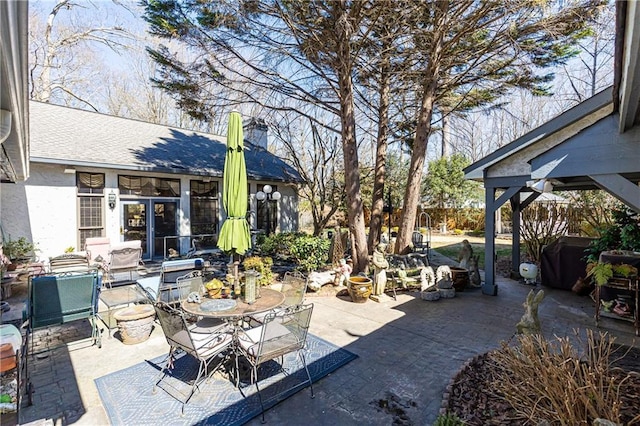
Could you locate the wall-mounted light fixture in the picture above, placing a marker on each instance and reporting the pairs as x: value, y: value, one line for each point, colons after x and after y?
x: 543, y: 185
x: 112, y: 200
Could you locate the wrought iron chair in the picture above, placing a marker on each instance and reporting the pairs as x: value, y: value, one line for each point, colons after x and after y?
x: 69, y: 262
x: 294, y: 287
x: 281, y: 333
x: 205, y: 348
x: 125, y: 259
x: 97, y: 249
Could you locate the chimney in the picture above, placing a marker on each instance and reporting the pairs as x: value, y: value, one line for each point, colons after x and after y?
x: 255, y: 131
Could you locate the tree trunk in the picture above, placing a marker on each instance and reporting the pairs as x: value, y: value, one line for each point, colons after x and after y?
x: 446, y: 133
x: 412, y: 192
x: 377, y: 203
x: 423, y: 129
x: 355, y: 208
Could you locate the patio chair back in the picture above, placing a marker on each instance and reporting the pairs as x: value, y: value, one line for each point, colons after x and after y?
x: 123, y: 259
x: 174, y: 293
x: 294, y: 287
x: 284, y: 332
x: 61, y: 298
x: 98, y: 248
x: 69, y: 262
x: 175, y: 328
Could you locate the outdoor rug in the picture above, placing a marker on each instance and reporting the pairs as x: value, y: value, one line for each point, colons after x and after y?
x: 128, y: 398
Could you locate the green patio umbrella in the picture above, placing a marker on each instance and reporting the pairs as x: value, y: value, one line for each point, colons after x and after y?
x: 234, y: 235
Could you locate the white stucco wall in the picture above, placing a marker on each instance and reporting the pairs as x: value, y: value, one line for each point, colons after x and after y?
x: 44, y: 208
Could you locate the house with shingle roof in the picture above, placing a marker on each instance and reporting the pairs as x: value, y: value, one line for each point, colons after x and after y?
x: 93, y: 174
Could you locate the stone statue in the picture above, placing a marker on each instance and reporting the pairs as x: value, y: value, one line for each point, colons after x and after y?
x: 529, y: 323
x: 380, y: 264
x: 465, y: 255
x: 474, y: 272
x: 343, y: 272
x: 427, y: 279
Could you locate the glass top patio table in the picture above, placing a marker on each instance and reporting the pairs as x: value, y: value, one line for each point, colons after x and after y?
x: 269, y: 299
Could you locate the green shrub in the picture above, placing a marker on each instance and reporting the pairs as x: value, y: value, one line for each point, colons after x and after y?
x: 262, y: 265
x: 310, y: 252
x: 307, y: 251
x: 19, y: 249
x: 624, y: 234
x: 277, y: 244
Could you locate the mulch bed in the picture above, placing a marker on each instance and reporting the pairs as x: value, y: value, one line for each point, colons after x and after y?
x: 470, y: 394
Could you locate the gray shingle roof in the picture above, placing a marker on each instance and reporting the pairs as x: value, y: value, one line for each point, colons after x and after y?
x: 75, y: 137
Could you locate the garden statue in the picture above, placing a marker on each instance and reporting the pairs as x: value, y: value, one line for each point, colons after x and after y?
x: 343, y: 272
x: 318, y: 279
x: 427, y: 279
x: 474, y: 272
x: 380, y: 273
x: 444, y: 282
x: 465, y: 255
x: 529, y: 323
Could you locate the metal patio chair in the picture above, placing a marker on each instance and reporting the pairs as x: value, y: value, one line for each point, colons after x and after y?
x: 205, y: 348
x: 281, y: 333
x: 122, y: 260
x: 294, y: 288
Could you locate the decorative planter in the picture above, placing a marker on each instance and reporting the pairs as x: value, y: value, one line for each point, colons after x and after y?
x: 135, y: 323
x: 447, y: 293
x: 7, y: 357
x: 460, y: 277
x: 360, y: 288
x: 215, y: 293
x: 430, y: 296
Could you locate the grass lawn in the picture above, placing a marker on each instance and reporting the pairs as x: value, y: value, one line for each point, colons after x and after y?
x: 450, y: 247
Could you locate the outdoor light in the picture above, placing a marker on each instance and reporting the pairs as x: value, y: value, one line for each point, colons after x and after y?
x: 543, y: 185
x: 112, y: 200
x: 267, y: 194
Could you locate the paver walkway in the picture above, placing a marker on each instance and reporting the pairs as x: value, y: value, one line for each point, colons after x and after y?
x: 408, y: 351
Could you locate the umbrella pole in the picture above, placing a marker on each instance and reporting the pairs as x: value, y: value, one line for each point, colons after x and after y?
x: 234, y: 267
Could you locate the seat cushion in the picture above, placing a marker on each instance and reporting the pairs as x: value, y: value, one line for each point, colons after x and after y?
x: 249, y: 339
x: 207, y: 325
x: 207, y: 345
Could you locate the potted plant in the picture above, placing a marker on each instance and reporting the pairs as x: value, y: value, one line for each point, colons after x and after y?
x: 19, y: 251
x: 602, y: 272
x: 214, y: 288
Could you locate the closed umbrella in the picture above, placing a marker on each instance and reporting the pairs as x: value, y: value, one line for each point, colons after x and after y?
x: 234, y: 235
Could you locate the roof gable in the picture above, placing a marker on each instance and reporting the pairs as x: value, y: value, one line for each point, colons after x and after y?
x: 578, y: 116
x: 76, y: 137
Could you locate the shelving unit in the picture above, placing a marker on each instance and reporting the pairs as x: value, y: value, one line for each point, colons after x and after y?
x: 627, y: 285
x: 19, y: 374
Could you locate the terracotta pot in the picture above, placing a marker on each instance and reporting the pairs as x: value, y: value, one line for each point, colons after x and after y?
x: 7, y: 357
